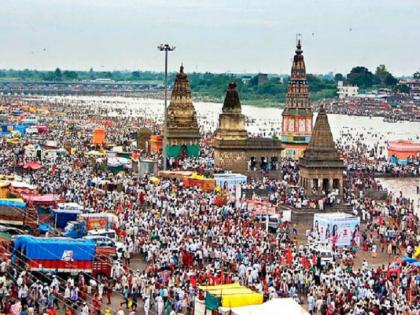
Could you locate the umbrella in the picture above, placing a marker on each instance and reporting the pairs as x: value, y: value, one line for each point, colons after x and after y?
x: 32, y: 165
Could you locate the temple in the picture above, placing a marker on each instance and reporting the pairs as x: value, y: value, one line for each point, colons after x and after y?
x: 233, y: 149
x: 297, y: 115
x: 183, y: 133
x: 320, y: 168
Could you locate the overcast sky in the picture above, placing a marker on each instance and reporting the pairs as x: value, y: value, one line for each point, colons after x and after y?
x: 210, y: 35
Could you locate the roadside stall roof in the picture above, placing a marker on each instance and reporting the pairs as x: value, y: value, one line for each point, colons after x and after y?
x: 47, y: 199
x: 233, y: 295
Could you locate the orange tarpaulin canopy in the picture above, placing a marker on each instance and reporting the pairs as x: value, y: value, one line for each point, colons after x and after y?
x: 403, y: 149
x: 156, y: 143
x: 98, y: 136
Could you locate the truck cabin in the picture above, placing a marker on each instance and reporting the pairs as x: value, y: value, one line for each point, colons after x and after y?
x: 104, y: 232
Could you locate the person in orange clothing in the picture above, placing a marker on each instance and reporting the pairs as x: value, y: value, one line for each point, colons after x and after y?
x: 51, y: 310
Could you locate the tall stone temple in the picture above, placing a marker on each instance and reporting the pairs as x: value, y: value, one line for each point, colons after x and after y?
x: 297, y: 115
x: 182, y: 128
x: 320, y: 168
x: 233, y: 149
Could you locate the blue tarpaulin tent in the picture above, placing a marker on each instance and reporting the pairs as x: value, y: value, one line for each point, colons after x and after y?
x: 63, y: 216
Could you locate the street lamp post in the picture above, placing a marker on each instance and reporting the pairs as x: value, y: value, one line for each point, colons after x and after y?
x: 166, y: 48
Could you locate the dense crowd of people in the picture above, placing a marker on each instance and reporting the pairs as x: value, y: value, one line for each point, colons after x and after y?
x: 186, y: 238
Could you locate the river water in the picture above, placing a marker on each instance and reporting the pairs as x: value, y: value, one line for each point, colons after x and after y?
x: 267, y: 122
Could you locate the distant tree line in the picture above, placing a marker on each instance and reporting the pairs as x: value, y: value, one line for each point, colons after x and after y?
x: 212, y: 86
x: 382, y: 78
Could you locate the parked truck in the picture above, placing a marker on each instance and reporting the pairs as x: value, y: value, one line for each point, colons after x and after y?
x: 14, y: 211
x: 60, y: 255
x: 91, y: 222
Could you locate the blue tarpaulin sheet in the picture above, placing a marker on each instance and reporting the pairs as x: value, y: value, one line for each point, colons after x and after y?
x: 54, y: 248
x: 62, y: 217
x: 44, y: 228
x: 17, y: 203
x: 408, y: 259
x: 20, y: 128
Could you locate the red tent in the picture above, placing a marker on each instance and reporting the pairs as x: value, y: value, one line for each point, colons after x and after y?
x: 32, y: 165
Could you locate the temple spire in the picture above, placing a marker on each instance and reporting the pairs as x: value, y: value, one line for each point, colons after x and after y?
x: 181, y: 85
x: 322, y: 137
x: 297, y: 114
x: 298, y: 50
x: 232, y: 102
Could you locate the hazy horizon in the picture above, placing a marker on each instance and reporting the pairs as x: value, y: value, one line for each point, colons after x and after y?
x: 215, y: 36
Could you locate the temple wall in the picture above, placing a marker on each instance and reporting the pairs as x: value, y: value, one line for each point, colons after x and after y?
x: 308, y: 174
x: 233, y: 160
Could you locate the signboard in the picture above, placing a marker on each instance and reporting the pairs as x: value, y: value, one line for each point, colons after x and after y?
x: 96, y: 223
x: 337, y: 229
x: 287, y: 215
x: 67, y: 255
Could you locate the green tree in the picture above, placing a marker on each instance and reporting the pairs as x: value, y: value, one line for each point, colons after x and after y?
x: 136, y: 75
x: 106, y: 75
x: 70, y: 75
x: 339, y: 77
x: 416, y: 75
x: 402, y: 88
x: 48, y: 76
x: 381, y: 73
x: 361, y: 77
x: 58, y: 76
x: 390, y: 80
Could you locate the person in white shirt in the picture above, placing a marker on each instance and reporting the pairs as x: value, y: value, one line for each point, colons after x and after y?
x: 85, y: 309
x: 146, y: 305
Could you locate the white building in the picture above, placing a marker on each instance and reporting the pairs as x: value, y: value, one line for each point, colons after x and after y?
x: 345, y: 91
x: 414, y: 86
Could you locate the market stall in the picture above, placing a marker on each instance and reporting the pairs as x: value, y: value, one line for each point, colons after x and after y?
x: 206, y: 184
x: 229, y: 296
x: 403, y: 152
